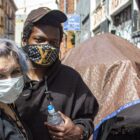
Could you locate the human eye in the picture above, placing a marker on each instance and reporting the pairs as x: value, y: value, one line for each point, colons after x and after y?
x: 54, y: 43
x: 16, y: 72
x: 39, y: 40
x: 2, y: 76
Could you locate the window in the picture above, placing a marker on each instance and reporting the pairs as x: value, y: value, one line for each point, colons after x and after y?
x: 138, y: 26
x: 123, y: 16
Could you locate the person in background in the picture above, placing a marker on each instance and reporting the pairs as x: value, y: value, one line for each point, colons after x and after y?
x: 12, y: 67
x: 50, y: 82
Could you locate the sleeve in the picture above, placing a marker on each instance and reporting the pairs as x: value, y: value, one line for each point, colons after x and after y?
x: 85, y: 108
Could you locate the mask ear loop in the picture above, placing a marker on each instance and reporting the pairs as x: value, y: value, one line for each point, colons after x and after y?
x: 47, y: 92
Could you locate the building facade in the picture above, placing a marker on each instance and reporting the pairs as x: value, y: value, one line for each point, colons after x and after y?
x: 100, y: 22
x: 120, y: 17
x: 83, y: 9
x: 20, y: 19
x: 68, y: 7
x: 121, y: 13
x: 7, y: 19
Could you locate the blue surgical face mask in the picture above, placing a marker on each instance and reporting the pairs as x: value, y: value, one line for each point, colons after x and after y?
x: 10, y: 89
x: 42, y: 54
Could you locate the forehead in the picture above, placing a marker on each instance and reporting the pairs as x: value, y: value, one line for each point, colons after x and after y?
x: 8, y: 63
x: 46, y: 31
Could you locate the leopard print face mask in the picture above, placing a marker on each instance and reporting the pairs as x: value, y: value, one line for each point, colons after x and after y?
x: 42, y: 54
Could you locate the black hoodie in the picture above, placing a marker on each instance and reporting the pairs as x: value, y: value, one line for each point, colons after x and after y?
x: 68, y: 93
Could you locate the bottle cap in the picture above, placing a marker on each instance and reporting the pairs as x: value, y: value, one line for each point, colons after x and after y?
x: 51, y: 109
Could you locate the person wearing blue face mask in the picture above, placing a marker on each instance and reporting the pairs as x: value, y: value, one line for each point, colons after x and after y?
x: 12, y: 67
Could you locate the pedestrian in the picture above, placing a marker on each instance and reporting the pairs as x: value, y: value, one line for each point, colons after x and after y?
x: 12, y: 67
x: 50, y: 82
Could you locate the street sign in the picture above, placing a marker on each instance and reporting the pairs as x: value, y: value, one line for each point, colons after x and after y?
x: 73, y: 23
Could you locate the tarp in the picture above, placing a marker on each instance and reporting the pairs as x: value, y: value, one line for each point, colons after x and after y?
x: 110, y: 66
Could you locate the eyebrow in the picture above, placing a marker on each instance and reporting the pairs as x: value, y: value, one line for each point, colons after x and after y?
x: 39, y: 35
x: 44, y: 37
x: 4, y: 70
x: 17, y: 68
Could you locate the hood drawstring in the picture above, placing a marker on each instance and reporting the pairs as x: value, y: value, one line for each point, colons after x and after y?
x: 47, y: 92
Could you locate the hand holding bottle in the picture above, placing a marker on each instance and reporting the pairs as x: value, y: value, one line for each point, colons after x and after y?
x: 66, y: 131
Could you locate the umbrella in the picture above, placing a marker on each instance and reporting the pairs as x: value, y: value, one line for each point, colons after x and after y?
x: 110, y: 66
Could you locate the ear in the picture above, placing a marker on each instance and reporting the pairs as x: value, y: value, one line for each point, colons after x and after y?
x: 24, y: 42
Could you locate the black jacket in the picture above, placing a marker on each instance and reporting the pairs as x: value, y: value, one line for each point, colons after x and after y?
x: 68, y: 93
x: 11, y: 127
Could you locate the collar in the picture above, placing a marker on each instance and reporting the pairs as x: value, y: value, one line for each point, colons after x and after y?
x: 50, y: 74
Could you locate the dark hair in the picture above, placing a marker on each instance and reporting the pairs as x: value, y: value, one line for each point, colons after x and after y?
x: 46, y: 20
x: 8, y: 47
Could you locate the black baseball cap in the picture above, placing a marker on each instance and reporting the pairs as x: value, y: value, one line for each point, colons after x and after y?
x: 37, y: 14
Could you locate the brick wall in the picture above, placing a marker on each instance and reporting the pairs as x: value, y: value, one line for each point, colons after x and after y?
x: 69, y: 6
x: 69, y: 10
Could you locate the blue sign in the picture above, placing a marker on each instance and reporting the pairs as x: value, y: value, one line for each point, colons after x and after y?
x: 72, y: 23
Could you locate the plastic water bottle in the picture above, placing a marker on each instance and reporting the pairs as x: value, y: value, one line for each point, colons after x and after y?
x: 54, y: 117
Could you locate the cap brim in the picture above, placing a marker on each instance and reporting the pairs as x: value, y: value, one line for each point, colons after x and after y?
x: 58, y: 15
